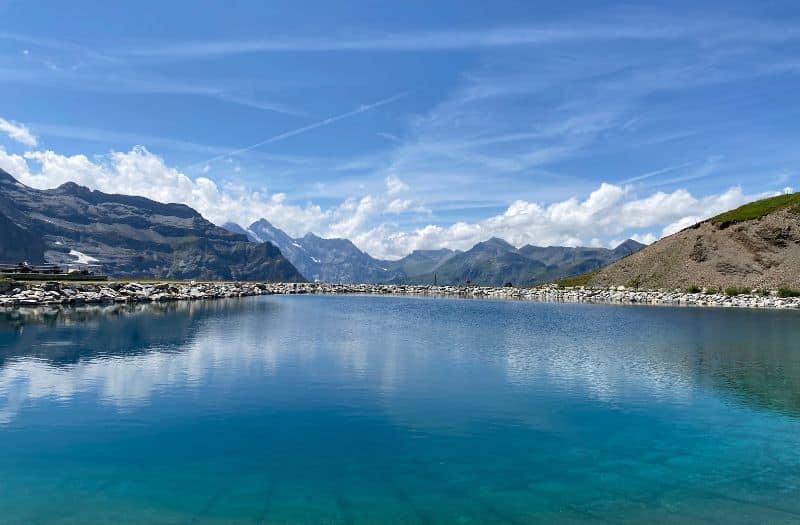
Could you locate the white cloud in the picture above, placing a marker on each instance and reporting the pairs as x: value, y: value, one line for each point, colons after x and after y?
x: 394, y: 185
x: 13, y: 164
x: 644, y: 238
x: 351, y: 216
x: 18, y: 132
x: 398, y: 205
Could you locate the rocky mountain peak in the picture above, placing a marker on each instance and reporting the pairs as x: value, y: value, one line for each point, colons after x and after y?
x: 629, y: 246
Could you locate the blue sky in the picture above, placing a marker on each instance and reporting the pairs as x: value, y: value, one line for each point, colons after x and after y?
x: 413, y: 124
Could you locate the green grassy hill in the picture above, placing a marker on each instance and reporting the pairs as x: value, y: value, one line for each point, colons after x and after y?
x: 757, y: 209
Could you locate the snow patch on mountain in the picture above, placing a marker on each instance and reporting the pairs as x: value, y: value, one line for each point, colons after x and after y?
x: 82, y: 258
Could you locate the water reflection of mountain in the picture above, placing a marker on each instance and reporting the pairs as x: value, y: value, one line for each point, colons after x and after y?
x: 465, y: 358
x: 755, y: 357
x: 618, y: 353
x: 64, y: 336
x: 124, y: 355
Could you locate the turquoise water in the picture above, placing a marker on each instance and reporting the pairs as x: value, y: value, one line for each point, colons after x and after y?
x: 309, y: 409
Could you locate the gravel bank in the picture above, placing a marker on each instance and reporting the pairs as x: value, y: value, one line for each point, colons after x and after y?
x: 15, y: 294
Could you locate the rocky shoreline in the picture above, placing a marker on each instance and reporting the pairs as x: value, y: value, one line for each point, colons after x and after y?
x: 21, y: 294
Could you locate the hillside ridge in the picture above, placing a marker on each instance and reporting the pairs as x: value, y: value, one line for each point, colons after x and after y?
x: 752, y: 246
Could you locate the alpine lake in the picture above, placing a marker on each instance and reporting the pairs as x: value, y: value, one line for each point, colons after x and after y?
x: 360, y: 409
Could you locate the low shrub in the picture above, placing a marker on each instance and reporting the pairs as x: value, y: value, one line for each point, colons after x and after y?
x: 693, y: 288
x: 785, y: 291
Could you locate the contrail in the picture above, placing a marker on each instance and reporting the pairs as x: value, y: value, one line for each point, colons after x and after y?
x: 308, y: 127
x: 656, y: 172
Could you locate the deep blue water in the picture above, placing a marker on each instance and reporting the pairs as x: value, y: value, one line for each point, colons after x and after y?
x: 308, y: 409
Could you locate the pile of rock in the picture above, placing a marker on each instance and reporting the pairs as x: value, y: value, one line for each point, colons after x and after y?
x: 29, y: 293
x: 54, y: 293
x: 552, y: 293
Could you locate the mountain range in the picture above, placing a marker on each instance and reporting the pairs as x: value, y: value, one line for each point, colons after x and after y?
x: 492, y: 262
x: 131, y: 236
x: 318, y: 259
x: 756, y: 245
x: 496, y: 262
x: 127, y: 236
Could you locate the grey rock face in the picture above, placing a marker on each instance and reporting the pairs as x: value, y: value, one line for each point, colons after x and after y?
x: 328, y: 260
x: 19, y: 244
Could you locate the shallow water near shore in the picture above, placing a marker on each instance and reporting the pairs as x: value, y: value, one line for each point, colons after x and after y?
x: 353, y: 409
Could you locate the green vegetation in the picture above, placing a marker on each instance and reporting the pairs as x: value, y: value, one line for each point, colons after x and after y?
x: 733, y: 291
x: 757, y: 209
x: 693, y: 288
x: 577, y: 280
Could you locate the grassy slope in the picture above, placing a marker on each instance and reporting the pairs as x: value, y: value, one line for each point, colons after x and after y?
x: 578, y: 280
x: 757, y: 209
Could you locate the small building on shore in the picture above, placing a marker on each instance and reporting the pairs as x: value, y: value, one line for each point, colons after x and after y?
x: 24, y: 271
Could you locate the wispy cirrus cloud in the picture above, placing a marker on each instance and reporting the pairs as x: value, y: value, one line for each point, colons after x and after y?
x: 60, y: 46
x: 125, y: 139
x: 98, y: 80
x: 254, y: 102
x: 420, y: 41
x: 600, y: 24
x: 608, y: 25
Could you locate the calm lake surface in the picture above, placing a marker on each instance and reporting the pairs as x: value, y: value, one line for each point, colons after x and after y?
x: 309, y: 409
